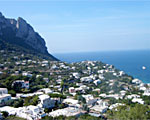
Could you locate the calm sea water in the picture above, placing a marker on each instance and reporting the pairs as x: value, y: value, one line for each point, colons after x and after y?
x: 129, y: 61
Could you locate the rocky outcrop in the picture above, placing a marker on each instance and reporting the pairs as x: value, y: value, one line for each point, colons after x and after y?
x: 21, y: 31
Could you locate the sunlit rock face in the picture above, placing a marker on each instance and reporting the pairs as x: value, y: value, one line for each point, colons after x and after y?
x: 11, y: 29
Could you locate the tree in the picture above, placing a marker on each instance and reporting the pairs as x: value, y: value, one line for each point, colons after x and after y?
x: 81, y: 99
x: 5, y: 114
x: 88, y: 117
x: 31, y: 100
x: 47, y: 110
x: 12, y: 92
x: 85, y: 107
x: 18, y: 103
x: 139, y: 111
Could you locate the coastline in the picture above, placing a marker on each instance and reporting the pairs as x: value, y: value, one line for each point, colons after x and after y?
x: 129, y: 61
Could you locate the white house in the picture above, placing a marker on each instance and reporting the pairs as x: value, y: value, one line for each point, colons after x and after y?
x: 86, y: 79
x: 142, y: 88
x: 97, y: 82
x: 121, y: 73
x: 132, y: 96
x: 70, y: 101
x: 115, y: 105
x: 98, y: 108
x: 10, y: 110
x: 54, y: 66
x: 24, y: 84
x: 46, y: 90
x: 45, y: 62
x: 136, y: 81
x: 37, y: 76
x: 116, y: 96
x: 46, y: 80
x: 46, y: 101
x: 147, y: 92
x: 31, y: 112
x: 101, y: 71
x: 76, y: 75
x: 88, y: 97
x: 101, y: 77
x: 3, y: 91
x: 72, y: 90
x: 138, y: 100
x: 4, y: 98
x: 27, y: 74
x: 69, y: 111
x: 102, y: 103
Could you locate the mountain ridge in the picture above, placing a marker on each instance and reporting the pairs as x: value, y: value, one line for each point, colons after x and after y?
x: 19, y: 32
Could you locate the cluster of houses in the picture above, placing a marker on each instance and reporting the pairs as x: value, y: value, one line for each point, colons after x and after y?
x: 83, y: 77
x: 4, y: 96
x: 28, y: 112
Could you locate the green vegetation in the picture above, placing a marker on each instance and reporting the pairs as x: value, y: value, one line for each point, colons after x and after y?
x: 5, y: 114
x: 14, y: 118
x: 31, y: 101
x: 52, y: 95
x: 137, y: 112
x: 81, y: 99
x: 58, y: 77
x: 82, y: 117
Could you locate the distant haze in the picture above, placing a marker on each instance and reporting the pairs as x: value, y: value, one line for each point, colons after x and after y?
x: 85, y: 25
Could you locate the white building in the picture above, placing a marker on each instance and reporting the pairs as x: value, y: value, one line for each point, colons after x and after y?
x: 3, y: 91
x: 101, y: 77
x: 138, y: 100
x: 45, y: 62
x: 46, y: 90
x: 132, y: 96
x: 76, y: 75
x: 24, y: 84
x: 147, y: 92
x: 31, y: 112
x: 142, y: 88
x: 70, y: 101
x: 115, y: 105
x: 72, y: 90
x: 102, y: 103
x: 46, y: 101
x: 121, y: 73
x: 88, y: 97
x: 136, y: 81
x: 100, y: 109
x: 86, y: 79
x: 101, y: 71
x: 46, y: 80
x: 4, y: 98
x: 10, y: 110
x: 27, y: 74
x: 54, y: 66
x: 37, y: 76
x: 97, y: 82
x: 69, y: 111
x: 116, y: 96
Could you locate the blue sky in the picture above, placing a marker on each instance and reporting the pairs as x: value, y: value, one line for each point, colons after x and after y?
x: 85, y: 25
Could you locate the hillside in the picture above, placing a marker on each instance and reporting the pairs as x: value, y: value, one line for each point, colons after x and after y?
x: 18, y: 33
x: 32, y: 80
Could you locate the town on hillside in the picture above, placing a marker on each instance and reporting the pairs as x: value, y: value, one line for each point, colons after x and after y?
x: 34, y: 88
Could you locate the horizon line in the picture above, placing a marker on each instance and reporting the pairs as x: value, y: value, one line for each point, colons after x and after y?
x: 100, y: 51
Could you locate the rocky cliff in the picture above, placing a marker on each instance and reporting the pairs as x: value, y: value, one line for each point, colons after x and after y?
x: 21, y: 33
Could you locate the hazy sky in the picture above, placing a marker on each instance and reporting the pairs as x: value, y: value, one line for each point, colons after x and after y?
x: 85, y: 25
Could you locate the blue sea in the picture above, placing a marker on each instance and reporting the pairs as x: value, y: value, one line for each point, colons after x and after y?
x: 129, y: 61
